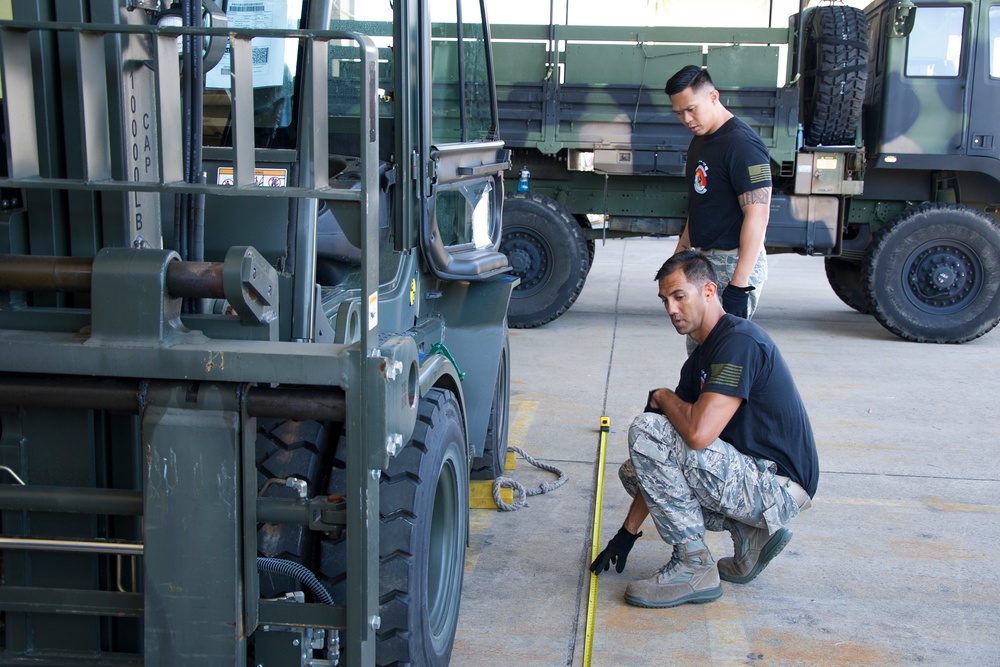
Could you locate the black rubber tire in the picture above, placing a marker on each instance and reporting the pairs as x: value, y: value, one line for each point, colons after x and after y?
x: 286, y: 448
x: 932, y: 274
x: 835, y: 74
x: 583, y: 222
x: 491, y: 464
x: 547, y: 251
x: 424, y: 510
x: 845, y: 278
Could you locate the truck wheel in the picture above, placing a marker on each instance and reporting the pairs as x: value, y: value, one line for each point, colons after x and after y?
x: 835, y: 74
x: 424, y: 516
x: 491, y: 464
x: 547, y: 251
x: 933, y: 274
x: 845, y: 279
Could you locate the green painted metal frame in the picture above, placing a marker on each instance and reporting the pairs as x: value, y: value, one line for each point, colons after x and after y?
x: 175, y: 592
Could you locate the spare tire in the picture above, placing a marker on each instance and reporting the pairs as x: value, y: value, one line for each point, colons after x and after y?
x: 834, y: 74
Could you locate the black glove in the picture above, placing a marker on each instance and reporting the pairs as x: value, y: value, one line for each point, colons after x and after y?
x: 616, y: 552
x: 736, y: 300
x: 655, y: 409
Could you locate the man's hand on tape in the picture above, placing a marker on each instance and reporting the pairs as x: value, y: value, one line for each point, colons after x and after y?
x: 736, y: 300
x: 616, y: 553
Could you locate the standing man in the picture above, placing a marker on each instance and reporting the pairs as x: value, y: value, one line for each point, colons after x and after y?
x: 729, y: 190
x: 730, y: 449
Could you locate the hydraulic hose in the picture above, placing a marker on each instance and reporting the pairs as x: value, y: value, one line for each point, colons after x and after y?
x: 300, y: 572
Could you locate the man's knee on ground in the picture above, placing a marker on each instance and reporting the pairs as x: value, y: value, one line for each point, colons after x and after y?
x: 626, y: 473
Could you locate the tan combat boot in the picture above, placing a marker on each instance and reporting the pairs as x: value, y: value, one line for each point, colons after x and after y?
x: 753, y: 549
x: 690, y: 576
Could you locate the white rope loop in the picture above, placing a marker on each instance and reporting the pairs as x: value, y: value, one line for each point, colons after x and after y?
x: 520, y: 493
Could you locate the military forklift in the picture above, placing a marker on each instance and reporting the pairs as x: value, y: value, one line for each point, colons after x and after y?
x: 253, y: 336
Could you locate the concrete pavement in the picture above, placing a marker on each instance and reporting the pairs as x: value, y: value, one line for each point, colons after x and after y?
x: 896, y: 563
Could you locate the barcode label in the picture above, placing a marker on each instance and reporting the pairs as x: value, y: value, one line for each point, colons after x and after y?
x: 259, y: 55
x: 258, y: 7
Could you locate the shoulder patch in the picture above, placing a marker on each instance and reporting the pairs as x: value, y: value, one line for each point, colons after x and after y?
x: 759, y: 173
x: 725, y: 375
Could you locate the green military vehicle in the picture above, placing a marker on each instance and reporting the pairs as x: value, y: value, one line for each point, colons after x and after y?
x: 252, y: 328
x: 881, y: 126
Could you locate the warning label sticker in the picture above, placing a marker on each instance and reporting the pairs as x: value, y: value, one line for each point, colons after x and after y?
x: 264, y: 178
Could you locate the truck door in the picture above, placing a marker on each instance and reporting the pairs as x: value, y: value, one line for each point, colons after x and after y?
x: 460, y: 230
x: 926, y: 87
x: 983, y: 125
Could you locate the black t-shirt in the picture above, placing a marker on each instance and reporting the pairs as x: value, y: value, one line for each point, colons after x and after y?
x: 720, y: 167
x: 739, y: 359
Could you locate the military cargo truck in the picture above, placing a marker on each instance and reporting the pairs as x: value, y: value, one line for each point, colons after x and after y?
x: 252, y: 328
x: 881, y: 126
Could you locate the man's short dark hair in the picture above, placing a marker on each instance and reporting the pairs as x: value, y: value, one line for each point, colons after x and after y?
x: 692, y: 77
x: 697, y: 269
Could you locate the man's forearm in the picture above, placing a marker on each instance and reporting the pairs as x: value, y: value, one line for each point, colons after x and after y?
x: 637, y: 513
x: 678, y: 412
x: 755, y: 217
x: 684, y: 242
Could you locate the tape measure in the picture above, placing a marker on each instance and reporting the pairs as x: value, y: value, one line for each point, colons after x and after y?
x: 596, y: 541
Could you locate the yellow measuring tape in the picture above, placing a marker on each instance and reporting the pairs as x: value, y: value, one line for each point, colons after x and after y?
x: 596, y: 542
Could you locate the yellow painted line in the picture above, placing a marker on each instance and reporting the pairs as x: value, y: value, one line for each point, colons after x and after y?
x: 479, y: 523
x: 930, y: 502
x: 481, y: 495
x: 595, y: 543
x: 524, y: 412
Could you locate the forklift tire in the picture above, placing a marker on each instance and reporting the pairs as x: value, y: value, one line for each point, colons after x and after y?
x: 286, y: 448
x: 547, y: 251
x: 932, y: 274
x: 835, y: 74
x: 491, y: 464
x: 424, y: 511
x: 845, y: 278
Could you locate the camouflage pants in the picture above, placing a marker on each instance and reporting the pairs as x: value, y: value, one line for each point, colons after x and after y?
x: 724, y: 264
x: 690, y: 491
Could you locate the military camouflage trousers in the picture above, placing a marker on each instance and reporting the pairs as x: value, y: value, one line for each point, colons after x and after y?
x: 690, y: 491
x: 724, y: 264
